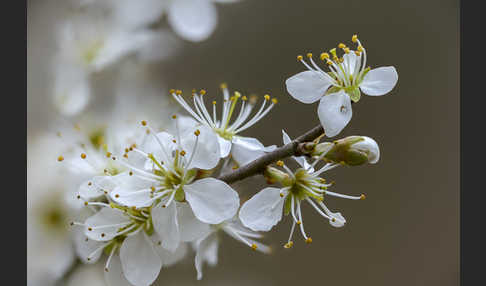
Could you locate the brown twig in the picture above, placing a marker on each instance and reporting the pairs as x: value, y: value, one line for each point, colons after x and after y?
x: 294, y: 148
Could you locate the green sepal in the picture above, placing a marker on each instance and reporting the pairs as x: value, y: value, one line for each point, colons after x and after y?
x: 355, y: 94
x: 287, y: 205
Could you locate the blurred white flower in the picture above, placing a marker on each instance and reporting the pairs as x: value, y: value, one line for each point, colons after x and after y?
x: 50, y: 207
x: 337, y: 88
x: 88, y: 43
x: 243, y: 149
x: 207, y: 246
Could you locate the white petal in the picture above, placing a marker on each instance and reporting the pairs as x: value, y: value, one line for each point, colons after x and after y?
x: 379, y: 81
x: 138, y: 198
x: 285, y: 137
x: 337, y: 220
x: 224, y: 146
x: 350, y: 62
x: 207, y: 153
x: 263, y: 210
x: 135, y: 14
x: 105, y: 217
x: 72, y: 91
x: 207, y: 251
x: 140, y: 262
x: 193, y: 20
x: 166, y: 225
x: 247, y: 149
x: 86, y: 248
x: 335, y: 112
x: 212, y: 201
x: 301, y: 160
x: 88, y: 191
x: 114, y: 276
x: 189, y: 226
x: 307, y: 86
x: 169, y: 258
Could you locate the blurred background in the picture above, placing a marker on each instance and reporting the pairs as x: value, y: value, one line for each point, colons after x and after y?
x: 407, y: 230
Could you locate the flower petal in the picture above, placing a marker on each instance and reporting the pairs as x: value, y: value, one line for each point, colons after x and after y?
x: 301, y: 160
x: 72, y: 90
x: 307, y: 86
x: 206, y: 251
x: 247, y: 149
x: 370, y: 147
x: 132, y: 197
x: 206, y: 153
x: 193, y: 20
x: 169, y: 258
x: 104, y: 225
x: 379, y: 81
x: 334, y: 112
x: 189, y: 226
x: 166, y: 225
x: 87, y: 247
x: 350, y: 62
x: 114, y: 276
x: 140, y: 262
x: 263, y: 210
x: 212, y: 201
x: 224, y: 146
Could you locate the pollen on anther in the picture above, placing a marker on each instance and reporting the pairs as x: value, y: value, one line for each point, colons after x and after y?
x: 83, y: 156
x: 130, y: 173
x: 308, y: 240
x: 341, y: 46
x: 90, y: 229
x: 125, y: 155
x: 102, y: 235
x: 244, y: 98
x: 144, y: 123
x: 202, y: 92
x: 289, y: 244
x: 117, y: 196
x: 281, y: 195
x: 309, y: 55
x: 362, y: 197
x: 324, y: 56
x: 106, y: 269
x: 78, y: 197
x: 299, y: 57
x: 299, y: 222
x: 223, y: 86
x: 266, y: 96
x: 85, y: 203
x: 60, y: 158
x: 178, y: 92
x: 108, y: 154
x: 274, y: 100
x: 172, y: 91
x: 254, y: 246
x: 280, y: 163
x: 346, y: 50
x: 214, y: 102
x: 354, y: 38
x: 234, y: 167
x: 183, y: 153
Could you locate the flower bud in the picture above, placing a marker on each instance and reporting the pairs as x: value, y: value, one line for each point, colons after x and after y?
x: 352, y: 150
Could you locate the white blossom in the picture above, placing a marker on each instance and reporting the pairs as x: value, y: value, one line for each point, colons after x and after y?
x: 347, y: 78
x: 242, y: 149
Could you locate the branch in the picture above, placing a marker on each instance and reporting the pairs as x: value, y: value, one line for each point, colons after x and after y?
x: 294, y: 148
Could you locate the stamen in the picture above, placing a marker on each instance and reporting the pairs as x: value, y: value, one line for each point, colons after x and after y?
x: 290, y: 243
x: 299, y: 213
x: 107, y: 265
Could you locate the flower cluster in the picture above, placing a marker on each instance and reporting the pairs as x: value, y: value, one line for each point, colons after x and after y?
x: 152, y: 193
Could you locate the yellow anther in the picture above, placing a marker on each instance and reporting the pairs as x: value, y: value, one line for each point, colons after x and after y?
x: 85, y: 203
x: 244, y: 98
x: 281, y: 195
x: 341, y: 46
x: 202, y: 92
x: 253, y: 99
x: 309, y: 55
x: 308, y: 240
x: 266, y: 96
x: 193, y: 91
x: 358, y: 53
x: 360, y: 48
x: 83, y: 156
x: 346, y: 50
x: 299, y: 57
x: 324, y: 56
x: 254, y: 246
x: 78, y: 197
x: 237, y: 94
x: 223, y: 85
x: 214, y: 102
x: 354, y: 38
x: 183, y: 153
x: 289, y: 244
x: 102, y: 235
x: 341, y: 60
x: 89, y: 183
x: 362, y: 197
x: 126, y: 150
x: 147, y: 131
x: 90, y: 229
x: 329, y: 62
x: 117, y: 196
x: 125, y: 155
x: 280, y: 163
x: 197, y: 132
x: 174, y: 141
x: 178, y: 92
x: 274, y: 100
x: 60, y: 158
x: 171, y: 91
x: 108, y: 154
x: 174, y: 116
x: 299, y: 222
x: 333, y: 219
x: 130, y: 173
x: 144, y: 123
x: 235, y: 167
x: 333, y: 51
